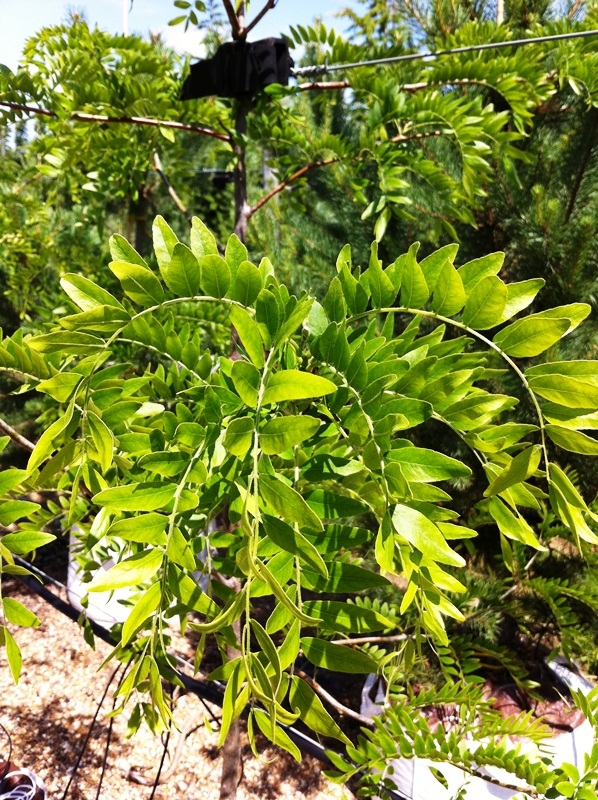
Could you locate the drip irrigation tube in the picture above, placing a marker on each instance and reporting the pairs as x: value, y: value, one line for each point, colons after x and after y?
x: 212, y: 692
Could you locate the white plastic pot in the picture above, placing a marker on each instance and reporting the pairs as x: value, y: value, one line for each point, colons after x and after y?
x: 415, y: 781
x: 103, y: 607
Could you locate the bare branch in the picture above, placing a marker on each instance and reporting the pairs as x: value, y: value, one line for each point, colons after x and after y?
x: 308, y: 87
x: 16, y: 436
x: 232, y: 18
x: 332, y: 701
x: 176, y: 199
x: 269, y: 5
x: 294, y: 177
x: 157, y: 123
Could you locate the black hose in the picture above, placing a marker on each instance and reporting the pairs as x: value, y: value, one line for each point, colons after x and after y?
x: 213, y: 692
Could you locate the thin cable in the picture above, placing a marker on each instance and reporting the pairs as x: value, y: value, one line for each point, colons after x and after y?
x: 324, y: 69
x: 89, y: 732
x: 164, y: 751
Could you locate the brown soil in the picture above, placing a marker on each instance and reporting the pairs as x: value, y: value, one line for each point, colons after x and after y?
x: 49, y: 713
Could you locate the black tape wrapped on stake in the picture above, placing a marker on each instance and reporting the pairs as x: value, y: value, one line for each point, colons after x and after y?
x: 239, y: 69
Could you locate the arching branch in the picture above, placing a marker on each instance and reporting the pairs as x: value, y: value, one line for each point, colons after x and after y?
x: 98, y: 118
x: 269, y: 5
x: 294, y: 177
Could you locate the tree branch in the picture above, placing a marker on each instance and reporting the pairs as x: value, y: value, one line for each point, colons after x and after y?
x: 157, y: 123
x: 346, y: 712
x: 232, y: 18
x: 294, y: 177
x: 399, y: 637
x: 176, y: 199
x: 269, y: 5
x: 308, y: 87
x: 16, y: 437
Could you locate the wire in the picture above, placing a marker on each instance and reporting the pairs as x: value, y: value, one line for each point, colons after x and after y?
x: 324, y: 69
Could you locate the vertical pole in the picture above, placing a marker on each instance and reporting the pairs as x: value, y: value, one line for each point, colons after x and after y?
x: 240, y: 171
x: 500, y: 12
x: 125, y: 17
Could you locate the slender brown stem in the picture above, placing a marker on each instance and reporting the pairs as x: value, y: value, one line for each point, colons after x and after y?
x: 332, y: 701
x: 16, y: 437
x: 269, y: 5
x: 399, y: 637
x: 157, y: 123
x: 294, y: 177
x: 176, y: 199
x: 308, y: 87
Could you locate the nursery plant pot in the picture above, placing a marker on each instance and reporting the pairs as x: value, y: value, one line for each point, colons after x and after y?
x: 415, y: 781
x: 102, y: 607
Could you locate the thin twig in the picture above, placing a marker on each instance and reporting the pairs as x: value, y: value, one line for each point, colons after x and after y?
x: 269, y: 5
x: 399, y: 637
x: 176, y: 199
x: 308, y: 87
x: 16, y: 437
x: 90, y: 730
x: 347, y: 712
x: 161, y: 765
x: 294, y: 177
x: 156, y: 123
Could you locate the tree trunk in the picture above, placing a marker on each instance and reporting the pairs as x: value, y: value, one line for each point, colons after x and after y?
x: 138, y: 213
x: 231, y: 751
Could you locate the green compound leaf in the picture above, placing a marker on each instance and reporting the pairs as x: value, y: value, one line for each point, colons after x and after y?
x: 573, y: 441
x: 531, y: 336
x: 294, y: 542
x: 239, y: 436
x: 282, y: 433
x: 215, y: 275
x: 485, y: 305
x: 130, y: 572
x: 336, y: 657
x: 165, y: 241
x: 86, y: 294
x: 26, y: 541
x: 203, y: 242
x: 307, y: 704
x: 449, y: 295
x: 142, y: 610
x: 423, y: 534
x: 13, y: 654
x: 295, y: 385
x: 145, y: 528
x: 288, y: 503
x: 16, y: 613
x: 136, y: 496
x: 121, y: 250
x: 249, y: 334
x: 519, y: 469
x: 181, y: 272
x: 247, y: 284
x: 139, y: 283
x: 246, y: 380
x: 425, y: 466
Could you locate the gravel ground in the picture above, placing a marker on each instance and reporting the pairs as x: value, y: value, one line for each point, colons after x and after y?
x: 49, y: 714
